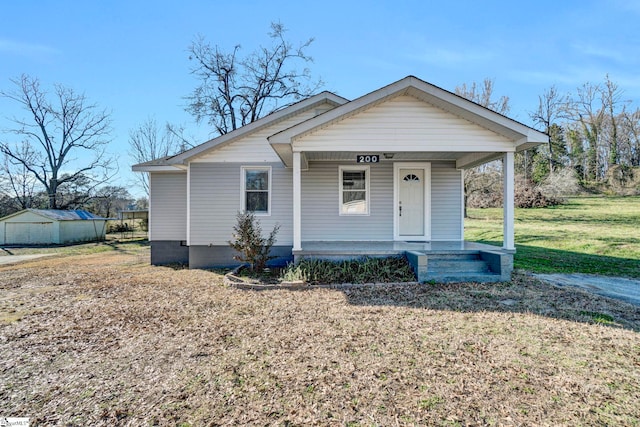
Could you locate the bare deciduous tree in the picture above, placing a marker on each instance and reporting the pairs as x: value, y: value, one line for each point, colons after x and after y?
x: 485, y: 179
x: 234, y: 91
x: 110, y: 199
x: 484, y: 96
x: 631, y: 135
x: 552, y: 107
x: 611, y: 102
x: 598, y: 114
x: 18, y: 182
x: 148, y: 142
x: 590, y: 117
x: 65, y: 140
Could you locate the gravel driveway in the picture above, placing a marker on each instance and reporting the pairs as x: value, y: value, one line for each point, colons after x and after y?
x: 11, y: 259
x: 613, y: 287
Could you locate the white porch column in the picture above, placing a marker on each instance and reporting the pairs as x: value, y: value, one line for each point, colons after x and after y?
x: 297, y: 203
x: 508, y: 176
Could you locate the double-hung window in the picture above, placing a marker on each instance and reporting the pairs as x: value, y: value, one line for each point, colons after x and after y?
x: 256, y: 189
x: 354, y: 190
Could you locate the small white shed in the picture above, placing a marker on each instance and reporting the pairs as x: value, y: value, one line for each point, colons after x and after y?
x: 50, y: 226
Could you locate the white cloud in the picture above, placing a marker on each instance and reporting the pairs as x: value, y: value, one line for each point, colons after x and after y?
x: 26, y: 49
x: 602, y: 52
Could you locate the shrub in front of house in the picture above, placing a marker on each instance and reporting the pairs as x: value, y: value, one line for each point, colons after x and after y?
x: 363, y: 270
x: 252, y: 248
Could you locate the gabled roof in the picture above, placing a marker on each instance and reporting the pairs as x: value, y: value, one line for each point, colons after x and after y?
x: 179, y: 160
x: 523, y: 136
x: 60, y: 215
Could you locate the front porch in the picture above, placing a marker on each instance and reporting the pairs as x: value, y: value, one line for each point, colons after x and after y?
x: 440, y: 261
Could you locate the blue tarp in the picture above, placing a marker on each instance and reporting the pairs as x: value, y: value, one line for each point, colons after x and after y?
x: 60, y: 215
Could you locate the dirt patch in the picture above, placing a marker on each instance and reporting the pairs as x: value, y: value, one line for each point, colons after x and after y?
x: 106, y: 339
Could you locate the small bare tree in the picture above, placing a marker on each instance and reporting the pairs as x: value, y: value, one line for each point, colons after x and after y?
x: 62, y: 143
x: 148, y: 142
x: 234, y: 91
x: 552, y: 107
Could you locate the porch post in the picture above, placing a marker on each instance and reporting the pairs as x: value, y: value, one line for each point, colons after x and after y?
x: 297, y: 205
x: 508, y: 203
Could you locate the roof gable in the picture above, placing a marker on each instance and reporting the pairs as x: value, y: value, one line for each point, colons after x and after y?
x: 403, y: 123
x: 427, y: 92
x: 519, y: 135
x: 178, y: 160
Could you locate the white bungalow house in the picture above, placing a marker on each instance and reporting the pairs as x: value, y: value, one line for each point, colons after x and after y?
x: 382, y: 174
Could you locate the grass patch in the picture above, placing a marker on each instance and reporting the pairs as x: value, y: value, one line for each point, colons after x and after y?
x: 111, y: 244
x: 601, y: 318
x: 596, y: 235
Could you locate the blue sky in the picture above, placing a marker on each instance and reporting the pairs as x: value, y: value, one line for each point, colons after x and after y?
x: 130, y: 57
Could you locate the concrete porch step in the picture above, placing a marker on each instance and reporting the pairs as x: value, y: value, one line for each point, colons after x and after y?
x: 448, y: 256
x: 456, y: 266
x: 451, y: 277
x: 471, y: 266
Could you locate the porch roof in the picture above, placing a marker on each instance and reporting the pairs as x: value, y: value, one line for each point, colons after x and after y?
x: 510, y: 135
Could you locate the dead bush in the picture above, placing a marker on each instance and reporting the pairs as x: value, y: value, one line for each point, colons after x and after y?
x: 528, y: 195
x: 562, y: 183
x: 485, y: 190
x: 483, y: 186
x: 485, y: 199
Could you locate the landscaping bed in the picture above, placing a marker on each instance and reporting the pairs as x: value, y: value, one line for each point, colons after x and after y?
x: 316, y: 272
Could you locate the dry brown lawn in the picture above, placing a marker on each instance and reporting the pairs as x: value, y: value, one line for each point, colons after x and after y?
x: 106, y: 339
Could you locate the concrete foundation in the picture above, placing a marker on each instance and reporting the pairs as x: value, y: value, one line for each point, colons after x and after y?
x: 222, y: 256
x: 165, y: 252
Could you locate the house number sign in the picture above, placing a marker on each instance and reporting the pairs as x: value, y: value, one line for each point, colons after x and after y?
x: 367, y: 158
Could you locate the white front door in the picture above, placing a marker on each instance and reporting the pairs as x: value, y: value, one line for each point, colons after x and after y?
x: 411, y: 213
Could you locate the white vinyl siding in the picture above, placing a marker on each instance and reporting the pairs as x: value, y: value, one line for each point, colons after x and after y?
x: 255, y: 148
x: 446, y: 205
x: 168, y: 206
x: 403, y: 123
x: 321, y: 219
x: 216, y: 192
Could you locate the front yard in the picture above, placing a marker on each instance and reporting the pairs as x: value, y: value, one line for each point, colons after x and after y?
x: 105, y: 339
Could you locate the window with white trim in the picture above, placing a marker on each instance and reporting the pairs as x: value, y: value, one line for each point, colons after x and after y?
x: 256, y: 190
x: 354, y: 190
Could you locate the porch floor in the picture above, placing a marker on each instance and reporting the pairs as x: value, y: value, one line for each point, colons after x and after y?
x: 392, y: 247
x: 441, y: 261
